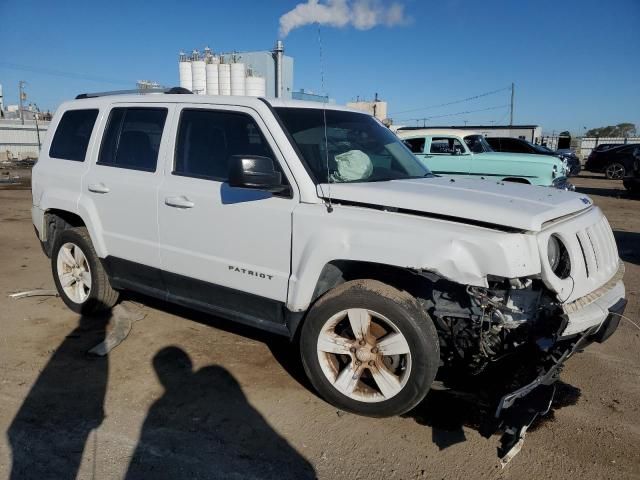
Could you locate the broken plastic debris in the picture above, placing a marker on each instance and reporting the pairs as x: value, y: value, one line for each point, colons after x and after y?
x: 123, y: 319
x: 34, y: 293
x: 513, y: 451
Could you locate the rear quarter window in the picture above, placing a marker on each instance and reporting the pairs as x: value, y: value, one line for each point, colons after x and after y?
x: 72, y: 136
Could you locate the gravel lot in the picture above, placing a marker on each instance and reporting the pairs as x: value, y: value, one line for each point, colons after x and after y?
x: 191, y: 396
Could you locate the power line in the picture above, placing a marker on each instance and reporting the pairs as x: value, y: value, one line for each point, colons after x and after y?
x: 60, y: 73
x: 454, y: 114
x: 486, y: 94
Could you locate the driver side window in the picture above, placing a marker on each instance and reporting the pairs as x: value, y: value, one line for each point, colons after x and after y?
x: 446, y: 146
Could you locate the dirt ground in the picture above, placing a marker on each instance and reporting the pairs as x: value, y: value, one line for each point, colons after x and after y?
x: 192, y: 396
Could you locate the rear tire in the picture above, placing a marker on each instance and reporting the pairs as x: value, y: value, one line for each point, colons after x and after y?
x: 370, y: 349
x: 615, y: 171
x: 78, y: 274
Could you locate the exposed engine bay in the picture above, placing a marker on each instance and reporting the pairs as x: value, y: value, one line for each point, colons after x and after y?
x: 481, y: 326
x: 502, y: 347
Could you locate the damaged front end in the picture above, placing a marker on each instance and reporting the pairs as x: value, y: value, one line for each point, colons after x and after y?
x: 504, y: 346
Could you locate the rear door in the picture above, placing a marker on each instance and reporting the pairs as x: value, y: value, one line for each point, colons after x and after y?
x: 120, y: 192
x: 226, y: 249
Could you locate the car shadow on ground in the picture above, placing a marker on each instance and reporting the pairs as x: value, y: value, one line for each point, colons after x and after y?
x: 606, y: 191
x: 282, y: 348
x: 447, y: 414
x: 592, y: 176
x: 202, y: 425
x: 628, y: 246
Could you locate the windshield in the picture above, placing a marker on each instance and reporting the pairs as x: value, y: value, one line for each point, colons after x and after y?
x: 541, y: 149
x: 357, y: 148
x: 477, y: 144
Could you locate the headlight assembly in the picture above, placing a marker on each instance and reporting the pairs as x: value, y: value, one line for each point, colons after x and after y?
x: 558, y: 257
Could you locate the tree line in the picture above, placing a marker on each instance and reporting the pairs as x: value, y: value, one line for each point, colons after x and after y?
x: 619, y: 130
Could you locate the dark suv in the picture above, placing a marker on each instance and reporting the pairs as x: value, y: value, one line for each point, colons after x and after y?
x: 615, y: 161
x: 632, y: 180
x: 518, y: 145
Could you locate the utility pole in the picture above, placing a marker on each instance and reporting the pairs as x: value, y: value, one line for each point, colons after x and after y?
x: 37, y: 127
x: 375, y: 105
x: 512, y: 95
x: 22, y: 95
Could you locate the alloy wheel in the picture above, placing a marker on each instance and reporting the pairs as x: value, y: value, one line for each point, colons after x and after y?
x: 615, y: 171
x: 364, y: 355
x: 74, y: 272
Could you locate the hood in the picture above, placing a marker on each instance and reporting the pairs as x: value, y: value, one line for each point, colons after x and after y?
x: 513, y: 205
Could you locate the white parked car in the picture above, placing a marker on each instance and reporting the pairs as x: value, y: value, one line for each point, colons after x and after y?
x: 317, y: 223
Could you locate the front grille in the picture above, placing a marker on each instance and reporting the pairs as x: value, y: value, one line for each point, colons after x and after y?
x: 593, y: 252
x: 598, y: 248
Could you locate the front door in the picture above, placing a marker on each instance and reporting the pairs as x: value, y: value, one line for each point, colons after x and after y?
x: 222, y: 247
x: 447, y: 156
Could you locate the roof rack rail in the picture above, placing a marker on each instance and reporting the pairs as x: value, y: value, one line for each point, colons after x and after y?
x: 144, y: 91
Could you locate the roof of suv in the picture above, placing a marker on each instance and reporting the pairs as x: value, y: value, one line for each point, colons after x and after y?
x: 201, y: 99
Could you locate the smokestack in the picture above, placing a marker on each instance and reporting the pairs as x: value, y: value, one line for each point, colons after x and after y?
x: 278, y: 52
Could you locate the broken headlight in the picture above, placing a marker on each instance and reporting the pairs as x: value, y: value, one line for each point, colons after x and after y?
x: 558, y: 257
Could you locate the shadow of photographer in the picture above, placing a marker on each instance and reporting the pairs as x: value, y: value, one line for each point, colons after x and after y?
x: 204, y: 427
x: 49, y: 433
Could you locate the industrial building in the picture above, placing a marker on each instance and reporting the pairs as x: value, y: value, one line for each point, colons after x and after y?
x: 532, y: 133
x: 376, y: 107
x: 258, y: 74
x: 309, y: 96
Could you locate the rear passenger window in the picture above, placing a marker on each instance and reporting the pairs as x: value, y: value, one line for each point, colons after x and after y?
x: 207, y: 139
x: 416, y: 145
x: 446, y: 145
x: 132, y: 138
x: 71, y: 139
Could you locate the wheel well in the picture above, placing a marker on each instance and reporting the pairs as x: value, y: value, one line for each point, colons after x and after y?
x: 338, y: 272
x: 517, y: 180
x: 57, y: 221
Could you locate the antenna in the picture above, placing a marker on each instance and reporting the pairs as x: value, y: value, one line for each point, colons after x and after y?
x: 324, y: 119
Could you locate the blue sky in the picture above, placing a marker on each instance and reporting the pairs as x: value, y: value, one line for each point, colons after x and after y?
x: 575, y: 63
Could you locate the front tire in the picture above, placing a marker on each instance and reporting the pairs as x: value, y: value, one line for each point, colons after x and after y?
x: 80, y: 279
x: 370, y: 349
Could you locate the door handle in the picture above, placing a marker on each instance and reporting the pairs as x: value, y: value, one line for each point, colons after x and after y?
x: 179, y: 202
x: 98, y: 188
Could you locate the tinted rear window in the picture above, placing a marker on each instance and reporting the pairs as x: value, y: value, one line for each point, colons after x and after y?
x: 132, y: 138
x: 71, y: 139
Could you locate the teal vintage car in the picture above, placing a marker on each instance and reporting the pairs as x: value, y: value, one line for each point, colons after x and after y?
x: 466, y: 153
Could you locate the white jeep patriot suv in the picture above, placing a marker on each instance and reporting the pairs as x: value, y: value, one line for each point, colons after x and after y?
x: 316, y: 222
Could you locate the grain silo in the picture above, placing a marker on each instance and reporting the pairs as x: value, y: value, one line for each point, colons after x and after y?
x: 212, y: 61
x: 198, y: 73
x: 224, y: 79
x: 238, y: 75
x: 255, y: 86
x: 184, y: 67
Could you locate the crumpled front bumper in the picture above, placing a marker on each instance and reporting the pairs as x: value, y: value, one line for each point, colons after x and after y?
x: 595, y: 333
x: 594, y: 308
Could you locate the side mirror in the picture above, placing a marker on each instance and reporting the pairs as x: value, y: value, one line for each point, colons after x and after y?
x: 253, y: 171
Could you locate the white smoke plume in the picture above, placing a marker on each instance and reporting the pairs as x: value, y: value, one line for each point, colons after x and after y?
x: 361, y: 14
